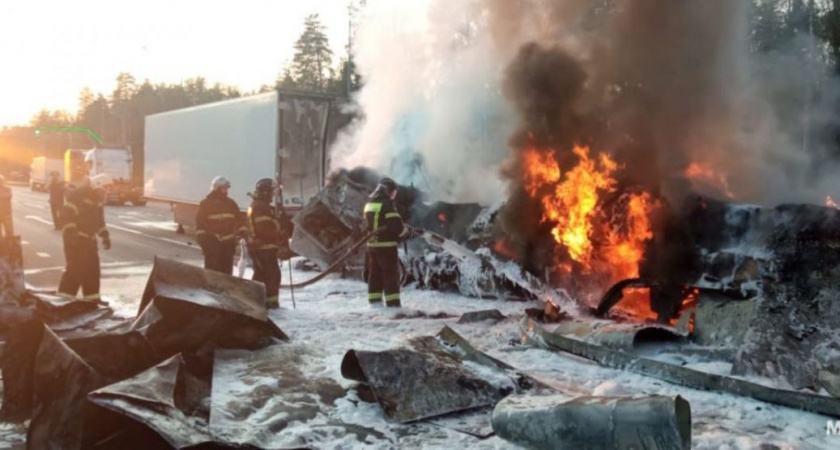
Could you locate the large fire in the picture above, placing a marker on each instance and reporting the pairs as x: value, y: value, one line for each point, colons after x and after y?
x: 607, y: 243
x: 703, y: 177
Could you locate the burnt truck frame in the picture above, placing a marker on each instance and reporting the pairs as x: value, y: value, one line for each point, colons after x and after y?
x: 282, y: 135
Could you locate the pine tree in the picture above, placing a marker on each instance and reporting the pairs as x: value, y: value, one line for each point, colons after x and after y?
x: 86, y: 97
x: 313, y: 56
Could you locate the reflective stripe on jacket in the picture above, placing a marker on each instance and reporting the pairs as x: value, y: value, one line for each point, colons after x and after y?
x: 380, y: 212
x: 219, y: 215
x: 263, y: 225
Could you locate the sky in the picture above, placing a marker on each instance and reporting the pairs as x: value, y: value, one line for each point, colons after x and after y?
x: 51, y: 49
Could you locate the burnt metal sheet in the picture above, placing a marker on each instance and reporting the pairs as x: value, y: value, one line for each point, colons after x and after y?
x: 115, y: 356
x: 331, y: 222
x: 11, y: 270
x: 480, y: 316
x: 412, y: 386
x: 61, y: 380
x: 187, y: 309
x: 680, y: 375
x: 18, y: 364
x: 793, y: 334
x: 721, y: 321
x: 627, y: 336
x: 174, y: 326
x: 267, y: 399
x: 433, y: 376
x: 47, y: 380
x: 163, y: 399
x: 651, y: 422
x: 173, y: 279
x: 63, y: 316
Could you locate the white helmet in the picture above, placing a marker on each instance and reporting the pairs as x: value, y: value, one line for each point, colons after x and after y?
x: 219, y: 182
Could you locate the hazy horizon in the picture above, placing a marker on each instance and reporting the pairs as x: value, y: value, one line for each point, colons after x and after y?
x: 52, y: 49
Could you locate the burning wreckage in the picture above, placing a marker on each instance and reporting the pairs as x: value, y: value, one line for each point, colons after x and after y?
x: 724, y: 282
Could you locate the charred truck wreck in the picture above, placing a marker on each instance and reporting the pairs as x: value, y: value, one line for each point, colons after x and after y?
x: 709, y: 268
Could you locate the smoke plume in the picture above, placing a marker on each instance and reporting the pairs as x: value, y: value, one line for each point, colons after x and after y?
x: 455, y: 92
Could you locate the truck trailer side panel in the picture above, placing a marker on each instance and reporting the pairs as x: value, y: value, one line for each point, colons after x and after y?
x: 185, y: 149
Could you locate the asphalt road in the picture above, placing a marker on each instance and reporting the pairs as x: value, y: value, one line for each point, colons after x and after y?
x: 138, y: 234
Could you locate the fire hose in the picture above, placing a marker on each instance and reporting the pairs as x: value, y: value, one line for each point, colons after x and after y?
x: 338, y: 263
x: 437, y: 240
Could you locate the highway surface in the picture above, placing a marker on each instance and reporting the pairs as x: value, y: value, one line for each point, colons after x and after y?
x: 138, y: 234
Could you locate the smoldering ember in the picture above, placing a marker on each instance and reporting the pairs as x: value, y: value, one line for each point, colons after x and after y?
x: 617, y: 232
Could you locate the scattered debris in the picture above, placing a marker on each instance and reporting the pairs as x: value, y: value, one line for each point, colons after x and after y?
x: 493, y: 315
x: 720, y: 320
x: 434, y: 376
x: 555, y: 421
x: 47, y: 382
x: 331, y: 222
x: 187, y: 314
x: 11, y: 270
x: 165, y: 400
x: 618, y: 336
x: 187, y: 309
x: 681, y: 375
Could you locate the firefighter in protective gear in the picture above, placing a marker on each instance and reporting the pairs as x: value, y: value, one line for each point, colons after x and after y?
x: 6, y: 209
x: 382, y: 260
x: 267, y: 235
x: 82, y: 219
x: 56, y: 190
x: 218, y: 224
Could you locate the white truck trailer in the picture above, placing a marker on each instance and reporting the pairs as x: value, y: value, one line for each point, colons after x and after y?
x: 277, y: 135
x: 40, y: 170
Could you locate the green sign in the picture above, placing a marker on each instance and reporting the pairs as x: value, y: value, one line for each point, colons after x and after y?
x: 94, y: 135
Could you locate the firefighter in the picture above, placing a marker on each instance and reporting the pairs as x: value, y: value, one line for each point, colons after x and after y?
x: 218, y: 224
x: 382, y: 259
x: 6, y: 208
x: 56, y: 189
x: 267, y: 235
x: 82, y: 219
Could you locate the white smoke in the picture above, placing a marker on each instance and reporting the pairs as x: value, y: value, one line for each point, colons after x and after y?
x: 433, y: 113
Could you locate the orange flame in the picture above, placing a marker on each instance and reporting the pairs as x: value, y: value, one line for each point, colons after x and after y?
x: 830, y: 203
x: 624, y: 252
x: 572, y: 203
x: 702, y: 174
x: 541, y: 169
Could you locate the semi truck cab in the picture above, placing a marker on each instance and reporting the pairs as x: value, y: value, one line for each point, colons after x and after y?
x: 109, y: 169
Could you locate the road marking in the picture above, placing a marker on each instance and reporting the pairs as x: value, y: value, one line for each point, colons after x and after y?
x: 129, y: 230
x: 34, y: 205
x: 102, y: 265
x: 22, y: 242
x: 39, y: 219
x: 42, y: 254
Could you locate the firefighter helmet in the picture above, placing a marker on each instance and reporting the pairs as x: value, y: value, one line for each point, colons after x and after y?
x: 219, y: 182
x: 265, y: 188
x: 389, y: 184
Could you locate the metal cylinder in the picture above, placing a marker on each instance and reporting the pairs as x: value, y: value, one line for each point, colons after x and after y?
x: 557, y: 422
